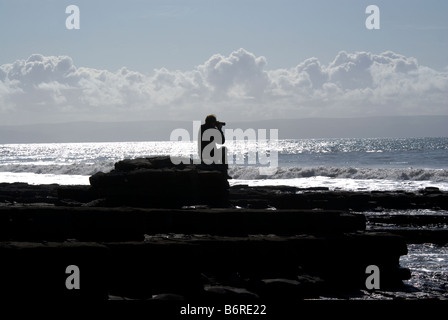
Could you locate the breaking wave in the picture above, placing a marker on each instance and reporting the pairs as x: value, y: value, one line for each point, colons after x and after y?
x: 254, y: 173
x: 411, y: 174
x: 85, y: 169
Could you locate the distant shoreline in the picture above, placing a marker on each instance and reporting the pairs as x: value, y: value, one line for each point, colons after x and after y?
x: 160, y: 130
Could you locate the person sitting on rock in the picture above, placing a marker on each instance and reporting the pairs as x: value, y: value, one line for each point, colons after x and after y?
x: 210, y: 136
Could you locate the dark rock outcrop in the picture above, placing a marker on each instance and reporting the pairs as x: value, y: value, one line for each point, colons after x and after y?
x: 150, y: 229
x: 323, y: 198
x: 157, y: 182
x: 270, y: 268
x: 23, y: 193
x: 32, y: 271
x: 117, y: 224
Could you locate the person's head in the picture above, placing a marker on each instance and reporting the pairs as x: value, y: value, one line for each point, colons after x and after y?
x: 210, y: 120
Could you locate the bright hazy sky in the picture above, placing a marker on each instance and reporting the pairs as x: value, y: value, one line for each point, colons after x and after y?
x: 137, y: 60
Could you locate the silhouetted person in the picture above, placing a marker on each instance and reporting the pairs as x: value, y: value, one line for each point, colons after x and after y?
x: 209, y: 136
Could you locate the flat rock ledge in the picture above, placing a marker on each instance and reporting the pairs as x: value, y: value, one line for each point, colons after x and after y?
x: 267, y: 268
x: 153, y: 230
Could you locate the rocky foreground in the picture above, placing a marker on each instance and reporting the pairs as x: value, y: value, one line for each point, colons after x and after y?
x: 153, y: 230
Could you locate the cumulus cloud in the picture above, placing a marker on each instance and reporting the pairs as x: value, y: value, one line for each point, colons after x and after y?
x: 237, y: 86
x: 241, y: 74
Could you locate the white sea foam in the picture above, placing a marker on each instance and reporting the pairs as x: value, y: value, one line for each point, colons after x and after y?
x: 344, y: 184
x: 344, y: 178
x: 408, y: 174
x: 36, y: 179
x: 331, y: 177
x: 253, y: 172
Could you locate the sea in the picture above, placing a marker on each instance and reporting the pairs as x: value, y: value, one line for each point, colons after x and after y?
x: 356, y: 164
x: 340, y: 164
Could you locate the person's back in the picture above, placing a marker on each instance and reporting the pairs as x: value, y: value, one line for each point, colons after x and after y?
x: 209, y: 136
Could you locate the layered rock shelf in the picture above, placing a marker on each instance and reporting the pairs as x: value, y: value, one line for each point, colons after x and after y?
x: 32, y: 223
x: 153, y: 230
x: 202, y: 267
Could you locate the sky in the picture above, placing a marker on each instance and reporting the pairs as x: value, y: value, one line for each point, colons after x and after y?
x: 246, y: 59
